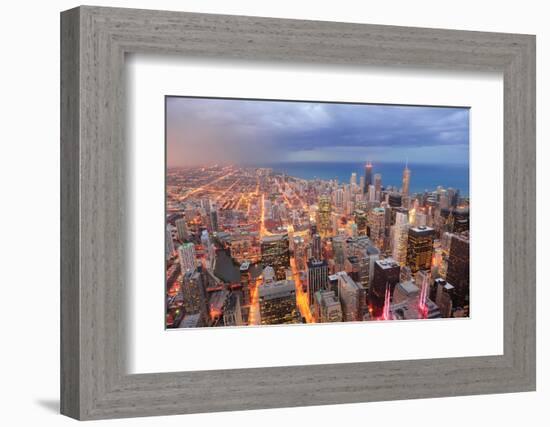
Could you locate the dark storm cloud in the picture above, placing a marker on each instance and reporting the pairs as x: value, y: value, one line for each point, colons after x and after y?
x: 203, y: 131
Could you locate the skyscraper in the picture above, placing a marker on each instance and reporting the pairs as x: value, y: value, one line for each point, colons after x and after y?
x: 371, y: 193
x: 194, y: 295
x: 400, y: 237
x: 406, y: 180
x: 169, y: 243
x: 181, y: 226
x: 353, y: 180
x: 352, y: 297
x: 458, y: 268
x: 316, y: 247
x: 323, y: 215
x: 317, y: 278
x: 232, y: 314
x: 214, y: 219
x: 245, y: 278
x: 300, y: 253
x: 327, y: 307
x: 376, y: 223
x: 420, y: 248
x: 386, y: 276
x: 444, y: 297
x: 208, y: 247
x: 368, y: 177
x: 377, y: 185
x: 339, y: 198
x: 186, y: 253
x: 276, y: 253
x: 339, y: 252
x: 461, y: 220
x: 360, y: 218
x: 394, y: 200
x: 278, y: 303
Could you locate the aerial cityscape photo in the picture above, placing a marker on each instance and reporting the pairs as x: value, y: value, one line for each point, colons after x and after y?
x: 294, y: 212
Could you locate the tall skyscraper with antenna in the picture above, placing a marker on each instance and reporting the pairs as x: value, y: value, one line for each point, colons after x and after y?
x: 368, y: 177
x: 406, y: 179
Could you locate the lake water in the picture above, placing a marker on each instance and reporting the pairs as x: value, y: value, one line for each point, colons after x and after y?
x: 423, y: 176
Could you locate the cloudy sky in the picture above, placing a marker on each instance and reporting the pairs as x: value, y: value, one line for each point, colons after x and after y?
x: 209, y: 131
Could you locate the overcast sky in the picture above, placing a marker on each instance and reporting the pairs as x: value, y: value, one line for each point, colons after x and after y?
x: 209, y: 131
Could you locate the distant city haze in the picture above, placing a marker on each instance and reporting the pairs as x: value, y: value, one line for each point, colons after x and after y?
x: 206, y: 131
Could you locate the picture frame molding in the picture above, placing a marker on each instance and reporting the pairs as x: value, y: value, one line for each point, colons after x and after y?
x: 94, y: 179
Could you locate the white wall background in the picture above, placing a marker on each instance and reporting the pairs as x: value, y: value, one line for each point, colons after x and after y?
x: 29, y: 210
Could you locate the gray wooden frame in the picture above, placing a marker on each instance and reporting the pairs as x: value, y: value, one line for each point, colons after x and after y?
x: 94, y: 41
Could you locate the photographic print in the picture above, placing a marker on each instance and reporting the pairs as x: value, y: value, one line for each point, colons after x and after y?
x: 298, y: 212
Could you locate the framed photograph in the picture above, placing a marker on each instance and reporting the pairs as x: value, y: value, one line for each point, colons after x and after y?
x: 278, y: 213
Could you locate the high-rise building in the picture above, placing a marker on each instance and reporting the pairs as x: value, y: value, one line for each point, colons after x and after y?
x: 386, y: 276
x: 300, y: 253
x: 453, y: 196
x: 232, y: 314
x: 323, y: 215
x: 339, y: 198
x: 183, y: 231
x: 399, y: 238
x: 353, y: 180
x: 194, y: 295
x: 208, y: 247
x: 420, y: 248
x: 316, y: 247
x: 420, y: 219
x: 327, y: 307
x: 458, y: 268
x: 245, y: 279
x: 339, y: 252
x: 352, y: 298
x: 276, y: 253
x: 278, y: 303
x: 205, y: 205
x: 406, y: 181
x: 317, y: 277
x: 377, y: 185
x: 170, y: 249
x: 371, y: 193
x: 444, y: 297
x: 444, y: 202
x: 368, y: 177
x: 461, y: 220
x: 214, y: 219
x: 394, y: 200
x: 376, y: 222
x: 186, y: 254
x: 361, y: 220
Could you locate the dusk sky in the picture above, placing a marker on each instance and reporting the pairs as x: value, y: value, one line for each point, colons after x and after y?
x: 209, y: 131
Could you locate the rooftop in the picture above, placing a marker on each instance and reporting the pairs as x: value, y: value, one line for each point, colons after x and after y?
x: 408, y: 287
x: 387, y: 263
x: 422, y: 229
x: 277, y: 289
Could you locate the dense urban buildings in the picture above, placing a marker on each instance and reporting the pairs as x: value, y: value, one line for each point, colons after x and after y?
x: 250, y: 246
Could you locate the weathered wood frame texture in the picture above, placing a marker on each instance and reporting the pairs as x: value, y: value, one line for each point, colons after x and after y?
x: 94, y: 41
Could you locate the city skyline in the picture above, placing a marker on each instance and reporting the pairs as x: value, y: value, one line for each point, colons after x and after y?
x: 291, y: 131
x: 249, y: 244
